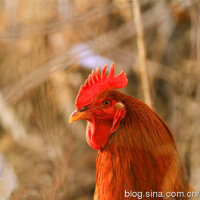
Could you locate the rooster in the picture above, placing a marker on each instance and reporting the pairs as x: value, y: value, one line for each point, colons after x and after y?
x: 137, y: 153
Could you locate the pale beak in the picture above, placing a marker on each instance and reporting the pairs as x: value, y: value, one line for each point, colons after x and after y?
x: 77, y: 115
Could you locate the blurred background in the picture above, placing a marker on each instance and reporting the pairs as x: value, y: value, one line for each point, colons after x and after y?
x: 47, y: 50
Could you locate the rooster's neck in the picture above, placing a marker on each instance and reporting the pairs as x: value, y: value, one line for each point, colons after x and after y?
x: 141, y: 156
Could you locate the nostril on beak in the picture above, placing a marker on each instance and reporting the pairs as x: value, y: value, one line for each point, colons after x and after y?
x: 77, y: 115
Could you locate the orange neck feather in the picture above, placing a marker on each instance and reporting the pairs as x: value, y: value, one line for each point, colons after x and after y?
x: 140, y: 156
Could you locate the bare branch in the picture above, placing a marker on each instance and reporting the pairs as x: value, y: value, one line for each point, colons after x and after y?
x: 11, y: 122
x: 141, y: 52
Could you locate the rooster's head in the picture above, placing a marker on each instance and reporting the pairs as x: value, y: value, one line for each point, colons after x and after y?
x: 101, y: 110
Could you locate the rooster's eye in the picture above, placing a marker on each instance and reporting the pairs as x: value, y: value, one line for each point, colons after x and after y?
x: 106, y: 102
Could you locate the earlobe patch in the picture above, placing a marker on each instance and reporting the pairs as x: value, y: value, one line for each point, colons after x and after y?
x: 119, y: 105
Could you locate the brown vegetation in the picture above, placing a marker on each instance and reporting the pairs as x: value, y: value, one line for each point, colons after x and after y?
x: 42, y: 66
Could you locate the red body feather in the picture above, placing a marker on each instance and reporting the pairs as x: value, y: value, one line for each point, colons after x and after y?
x: 140, y: 156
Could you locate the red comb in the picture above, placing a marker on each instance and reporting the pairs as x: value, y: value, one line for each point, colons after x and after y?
x: 97, y: 83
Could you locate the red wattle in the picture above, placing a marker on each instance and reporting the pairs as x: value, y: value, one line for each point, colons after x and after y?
x: 97, y: 133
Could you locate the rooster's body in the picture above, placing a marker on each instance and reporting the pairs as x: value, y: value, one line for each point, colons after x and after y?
x: 137, y: 152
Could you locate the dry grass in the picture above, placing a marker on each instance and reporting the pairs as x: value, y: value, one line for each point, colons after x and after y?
x: 40, y: 74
